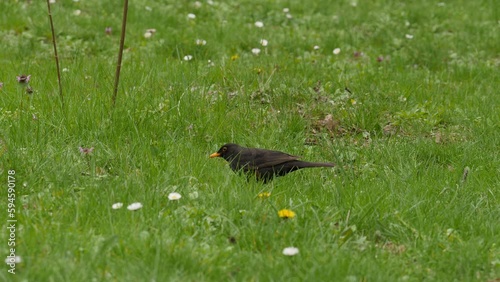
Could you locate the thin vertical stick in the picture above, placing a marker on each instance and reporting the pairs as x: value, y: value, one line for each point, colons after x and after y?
x: 120, y: 52
x: 55, y: 53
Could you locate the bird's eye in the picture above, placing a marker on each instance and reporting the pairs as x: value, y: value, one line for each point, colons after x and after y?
x: 224, y: 149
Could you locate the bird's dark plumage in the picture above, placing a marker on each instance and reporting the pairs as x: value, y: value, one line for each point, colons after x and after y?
x: 264, y: 164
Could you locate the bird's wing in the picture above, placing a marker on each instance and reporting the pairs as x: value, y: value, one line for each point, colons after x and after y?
x: 267, y: 158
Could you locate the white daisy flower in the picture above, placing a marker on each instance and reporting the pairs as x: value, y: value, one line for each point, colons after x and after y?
x: 290, y: 251
x: 134, y: 206
x: 174, y: 196
x: 336, y: 51
x: 191, y: 16
x: 201, y: 42
x: 188, y: 58
x: 14, y: 259
x: 263, y: 42
x: 116, y: 206
x: 256, y: 51
x: 259, y: 24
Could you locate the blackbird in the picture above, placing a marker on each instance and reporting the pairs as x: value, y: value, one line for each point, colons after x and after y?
x: 264, y: 164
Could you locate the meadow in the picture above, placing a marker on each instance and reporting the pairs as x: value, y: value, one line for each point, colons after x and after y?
x: 401, y: 95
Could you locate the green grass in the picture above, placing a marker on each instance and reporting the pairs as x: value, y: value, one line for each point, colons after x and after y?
x: 396, y: 208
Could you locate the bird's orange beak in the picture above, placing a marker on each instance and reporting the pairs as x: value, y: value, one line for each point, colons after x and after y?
x: 215, y: 155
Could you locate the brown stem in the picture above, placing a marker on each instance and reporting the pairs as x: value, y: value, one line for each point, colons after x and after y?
x: 120, y: 52
x: 55, y: 53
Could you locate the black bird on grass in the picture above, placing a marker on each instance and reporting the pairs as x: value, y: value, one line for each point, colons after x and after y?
x: 264, y: 164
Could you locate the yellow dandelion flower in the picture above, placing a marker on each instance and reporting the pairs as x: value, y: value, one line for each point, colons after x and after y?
x: 264, y: 195
x: 234, y: 57
x: 284, y: 213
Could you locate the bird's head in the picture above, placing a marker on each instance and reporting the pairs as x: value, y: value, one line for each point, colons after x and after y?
x: 228, y: 151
